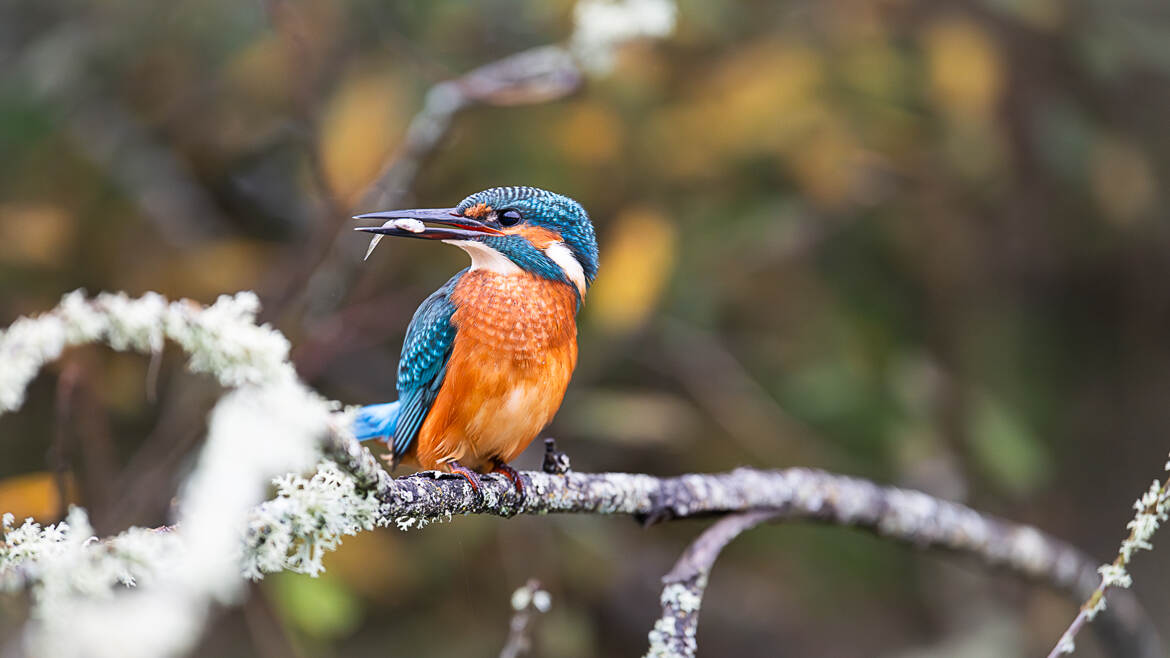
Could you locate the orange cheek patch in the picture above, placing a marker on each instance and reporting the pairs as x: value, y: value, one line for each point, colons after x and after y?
x: 540, y: 237
x: 477, y: 211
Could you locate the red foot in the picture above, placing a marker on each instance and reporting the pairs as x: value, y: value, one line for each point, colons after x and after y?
x: 510, y: 473
x: 466, y: 473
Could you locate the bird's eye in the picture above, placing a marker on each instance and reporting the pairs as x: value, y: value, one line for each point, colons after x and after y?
x: 510, y: 218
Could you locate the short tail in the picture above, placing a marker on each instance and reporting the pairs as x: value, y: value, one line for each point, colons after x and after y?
x: 376, y: 421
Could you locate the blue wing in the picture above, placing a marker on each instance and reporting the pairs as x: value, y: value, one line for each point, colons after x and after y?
x: 421, y: 368
x: 423, y: 364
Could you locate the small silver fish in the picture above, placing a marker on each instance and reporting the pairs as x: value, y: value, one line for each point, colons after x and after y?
x: 405, y: 224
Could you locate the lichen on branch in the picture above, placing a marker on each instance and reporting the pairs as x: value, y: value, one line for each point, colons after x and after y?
x: 1152, y: 509
x: 143, y: 592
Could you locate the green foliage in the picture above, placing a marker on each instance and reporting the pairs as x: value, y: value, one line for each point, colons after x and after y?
x: 1006, y: 449
x: 322, y: 608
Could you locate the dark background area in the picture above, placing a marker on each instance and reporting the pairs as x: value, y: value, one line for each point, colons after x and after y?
x: 916, y: 241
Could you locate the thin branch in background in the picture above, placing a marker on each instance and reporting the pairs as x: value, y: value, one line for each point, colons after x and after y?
x: 145, y: 486
x: 673, y: 635
x: 82, y: 456
x: 1153, y: 509
x: 539, y: 75
x: 720, y: 383
x: 535, y: 76
x: 112, y: 136
x: 356, y: 327
x: 60, y: 458
x: 527, y: 602
x: 288, y: 279
x: 153, y: 371
x: 157, y: 178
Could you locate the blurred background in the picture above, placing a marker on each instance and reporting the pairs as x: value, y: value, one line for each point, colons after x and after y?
x: 918, y: 241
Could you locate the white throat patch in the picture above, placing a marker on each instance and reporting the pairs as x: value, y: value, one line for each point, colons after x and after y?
x: 484, y: 257
x: 560, y: 254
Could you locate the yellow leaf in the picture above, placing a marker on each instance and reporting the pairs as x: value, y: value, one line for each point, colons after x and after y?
x: 763, y: 98
x: 591, y: 134
x: 966, y: 74
x: 34, y: 234
x: 639, y: 258
x: 361, y: 126
x: 31, y: 494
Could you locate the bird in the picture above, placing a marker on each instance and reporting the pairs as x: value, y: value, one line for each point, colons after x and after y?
x: 488, y: 356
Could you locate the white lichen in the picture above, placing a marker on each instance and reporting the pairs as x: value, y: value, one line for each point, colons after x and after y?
x: 673, y: 634
x: 148, y: 592
x: 601, y: 26
x: 308, y: 518
x: 531, y: 595
x: 65, y: 562
x: 541, y: 600
x: 221, y: 339
x: 1152, y: 509
x: 684, y: 597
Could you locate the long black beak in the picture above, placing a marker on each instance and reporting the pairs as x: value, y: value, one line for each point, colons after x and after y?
x: 451, y: 225
x: 409, y: 224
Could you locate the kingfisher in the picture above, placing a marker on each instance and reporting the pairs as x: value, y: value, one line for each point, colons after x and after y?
x: 487, y: 356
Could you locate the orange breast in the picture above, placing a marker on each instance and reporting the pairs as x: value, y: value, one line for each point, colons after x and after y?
x: 514, y: 353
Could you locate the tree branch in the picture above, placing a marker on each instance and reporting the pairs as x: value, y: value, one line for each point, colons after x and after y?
x: 1153, y: 509
x: 674, y: 633
x: 527, y: 602
x: 794, y: 494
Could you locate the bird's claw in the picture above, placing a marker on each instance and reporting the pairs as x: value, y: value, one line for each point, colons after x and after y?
x: 459, y: 470
x: 510, y: 473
